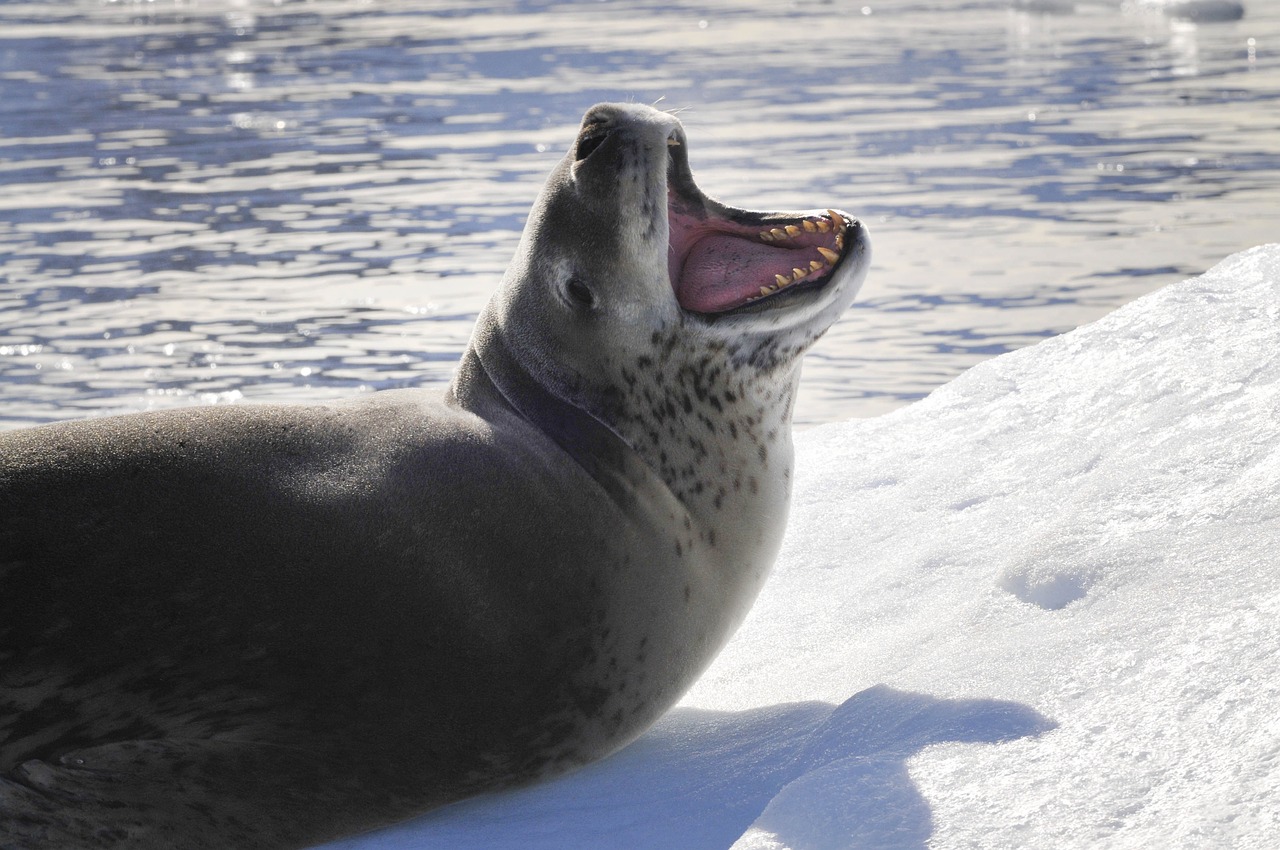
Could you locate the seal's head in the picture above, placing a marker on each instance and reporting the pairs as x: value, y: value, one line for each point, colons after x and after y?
x: 623, y: 256
x: 675, y: 320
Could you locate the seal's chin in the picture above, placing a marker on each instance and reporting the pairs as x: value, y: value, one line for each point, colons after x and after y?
x: 720, y: 260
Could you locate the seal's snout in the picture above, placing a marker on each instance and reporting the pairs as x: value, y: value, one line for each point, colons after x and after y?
x: 638, y: 124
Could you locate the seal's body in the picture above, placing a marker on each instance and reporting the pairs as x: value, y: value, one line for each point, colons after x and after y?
x: 270, y: 626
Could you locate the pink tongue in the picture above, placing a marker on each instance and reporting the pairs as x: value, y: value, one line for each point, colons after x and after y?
x: 723, y: 271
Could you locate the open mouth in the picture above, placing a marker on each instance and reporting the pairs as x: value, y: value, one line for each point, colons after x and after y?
x: 722, y: 259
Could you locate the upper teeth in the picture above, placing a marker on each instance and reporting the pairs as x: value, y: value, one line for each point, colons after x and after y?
x: 790, y: 231
x: 828, y: 257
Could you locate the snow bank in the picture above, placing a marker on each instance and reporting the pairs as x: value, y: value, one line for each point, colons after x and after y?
x: 1040, y: 608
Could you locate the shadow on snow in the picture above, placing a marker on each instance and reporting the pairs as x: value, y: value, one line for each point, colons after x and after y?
x: 816, y: 776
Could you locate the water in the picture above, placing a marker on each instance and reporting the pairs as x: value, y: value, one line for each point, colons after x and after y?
x: 207, y: 201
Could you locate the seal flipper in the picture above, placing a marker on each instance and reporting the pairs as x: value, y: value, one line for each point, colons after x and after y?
x: 184, y: 793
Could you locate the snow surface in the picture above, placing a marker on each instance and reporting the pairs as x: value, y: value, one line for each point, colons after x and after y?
x: 1040, y: 608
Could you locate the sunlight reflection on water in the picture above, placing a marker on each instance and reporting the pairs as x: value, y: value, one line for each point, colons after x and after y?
x: 245, y: 199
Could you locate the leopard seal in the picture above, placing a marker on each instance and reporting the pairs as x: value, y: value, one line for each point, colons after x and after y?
x: 270, y: 626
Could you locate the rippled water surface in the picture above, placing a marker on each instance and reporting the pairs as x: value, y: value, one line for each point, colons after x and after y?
x: 215, y: 200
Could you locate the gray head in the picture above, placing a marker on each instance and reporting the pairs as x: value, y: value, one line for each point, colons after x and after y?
x: 638, y: 299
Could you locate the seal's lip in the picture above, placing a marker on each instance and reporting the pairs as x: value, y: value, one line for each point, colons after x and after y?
x: 725, y: 260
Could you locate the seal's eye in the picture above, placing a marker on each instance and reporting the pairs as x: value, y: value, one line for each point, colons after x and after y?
x: 591, y: 137
x: 580, y: 293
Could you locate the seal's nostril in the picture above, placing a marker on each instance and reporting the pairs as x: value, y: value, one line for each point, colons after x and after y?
x: 590, y: 138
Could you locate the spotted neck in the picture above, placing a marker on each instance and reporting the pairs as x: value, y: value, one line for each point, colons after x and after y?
x: 712, y: 418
